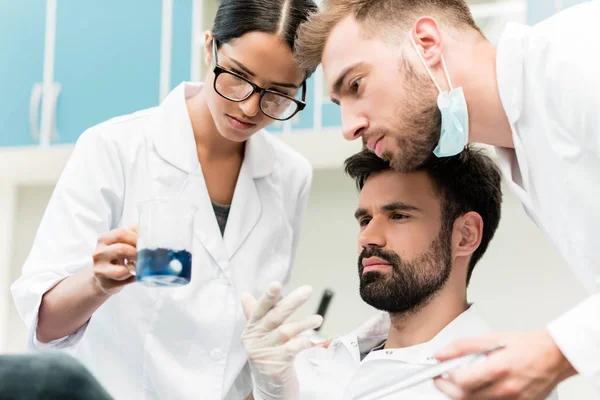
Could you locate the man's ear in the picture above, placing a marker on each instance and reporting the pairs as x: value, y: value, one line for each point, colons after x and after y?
x: 468, y: 231
x: 428, y: 39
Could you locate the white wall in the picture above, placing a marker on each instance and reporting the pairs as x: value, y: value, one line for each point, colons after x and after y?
x: 7, y: 203
x: 521, y: 283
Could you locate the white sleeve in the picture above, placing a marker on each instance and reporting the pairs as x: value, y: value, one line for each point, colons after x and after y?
x: 577, y: 335
x: 86, y: 202
x: 573, y: 102
x: 301, y: 204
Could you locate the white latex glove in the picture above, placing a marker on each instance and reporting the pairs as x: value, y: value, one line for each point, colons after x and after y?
x: 272, y: 343
x: 374, y: 326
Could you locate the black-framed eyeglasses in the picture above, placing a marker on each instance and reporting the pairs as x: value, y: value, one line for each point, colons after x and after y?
x: 235, y: 87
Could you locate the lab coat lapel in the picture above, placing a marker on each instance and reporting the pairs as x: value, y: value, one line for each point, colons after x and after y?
x: 246, y: 207
x: 244, y: 213
x: 179, y: 175
x: 206, y: 227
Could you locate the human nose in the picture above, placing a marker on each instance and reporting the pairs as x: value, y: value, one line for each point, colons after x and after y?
x: 372, y: 235
x: 353, y: 123
x: 251, y: 105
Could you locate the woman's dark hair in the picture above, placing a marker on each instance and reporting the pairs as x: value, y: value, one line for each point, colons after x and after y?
x: 280, y: 17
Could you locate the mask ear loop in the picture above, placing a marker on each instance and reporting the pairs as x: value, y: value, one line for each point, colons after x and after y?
x: 447, y: 74
x: 427, y: 68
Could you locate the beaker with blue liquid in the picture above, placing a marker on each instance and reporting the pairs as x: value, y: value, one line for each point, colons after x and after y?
x: 165, y: 242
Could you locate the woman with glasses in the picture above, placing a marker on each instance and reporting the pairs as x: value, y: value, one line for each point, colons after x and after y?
x: 204, y: 144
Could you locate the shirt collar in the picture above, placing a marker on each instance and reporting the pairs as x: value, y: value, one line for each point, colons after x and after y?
x: 173, y: 135
x: 467, y: 323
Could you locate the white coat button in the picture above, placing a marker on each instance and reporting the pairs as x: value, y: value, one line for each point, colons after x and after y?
x: 223, y: 280
x: 216, y: 354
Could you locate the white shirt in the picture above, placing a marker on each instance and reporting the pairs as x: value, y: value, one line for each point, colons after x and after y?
x: 550, y: 89
x: 170, y: 343
x: 339, y: 373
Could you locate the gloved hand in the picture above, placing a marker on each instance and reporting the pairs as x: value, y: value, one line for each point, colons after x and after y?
x: 272, y: 343
x: 374, y: 326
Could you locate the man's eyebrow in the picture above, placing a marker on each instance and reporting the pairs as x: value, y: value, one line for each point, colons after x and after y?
x: 399, y: 206
x: 336, y: 88
x: 395, y: 206
x: 360, y: 212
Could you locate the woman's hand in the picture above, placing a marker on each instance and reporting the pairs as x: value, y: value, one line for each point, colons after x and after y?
x: 114, y: 260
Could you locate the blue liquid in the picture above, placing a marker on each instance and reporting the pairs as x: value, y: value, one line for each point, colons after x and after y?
x: 164, y: 267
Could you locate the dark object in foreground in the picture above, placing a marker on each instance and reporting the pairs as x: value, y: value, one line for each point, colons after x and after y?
x: 47, y: 376
x: 324, y: 304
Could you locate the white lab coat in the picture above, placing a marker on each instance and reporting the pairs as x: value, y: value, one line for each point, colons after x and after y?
x: 350, y: 370
x: 549, y: 83
x: 167, y: 343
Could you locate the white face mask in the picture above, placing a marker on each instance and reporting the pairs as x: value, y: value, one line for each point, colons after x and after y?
x: 454, y: 134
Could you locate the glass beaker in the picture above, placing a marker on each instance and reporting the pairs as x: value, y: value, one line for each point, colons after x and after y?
x: 165, y: 242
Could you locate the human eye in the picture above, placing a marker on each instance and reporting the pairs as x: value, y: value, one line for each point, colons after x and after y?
x: 364, y: 221
x: 354, y: 86
x: 399, y: 217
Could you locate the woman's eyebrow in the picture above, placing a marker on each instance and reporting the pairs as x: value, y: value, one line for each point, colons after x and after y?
x: 252, y: 74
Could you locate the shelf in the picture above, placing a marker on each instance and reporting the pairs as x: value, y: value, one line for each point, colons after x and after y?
x: 43, y: 165
x: 33, y: 165
x: 326, y: 149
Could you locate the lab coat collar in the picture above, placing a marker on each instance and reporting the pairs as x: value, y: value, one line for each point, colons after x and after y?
x: 175, y: 143
x: 468, y: 323
x: 509, y: 70
x: 172, y: 131
x: 174, y: 137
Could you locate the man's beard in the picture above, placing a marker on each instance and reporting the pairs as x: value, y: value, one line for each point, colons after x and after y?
x: 416, y: 129
x: 408, y: 285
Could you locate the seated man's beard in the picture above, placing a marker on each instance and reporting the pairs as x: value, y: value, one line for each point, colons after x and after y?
x: 409, y: 285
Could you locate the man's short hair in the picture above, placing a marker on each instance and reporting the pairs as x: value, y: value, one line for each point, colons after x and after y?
x: 386, y: 18
x: 469, y: 181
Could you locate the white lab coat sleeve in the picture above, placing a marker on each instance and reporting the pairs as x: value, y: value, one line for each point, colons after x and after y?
x: 577, y: 335
x: 86, y: 202
x: 575, y: 105
x: 299, y: 214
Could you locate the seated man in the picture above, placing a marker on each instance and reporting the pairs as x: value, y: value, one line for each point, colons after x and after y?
x: 421, y: 235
